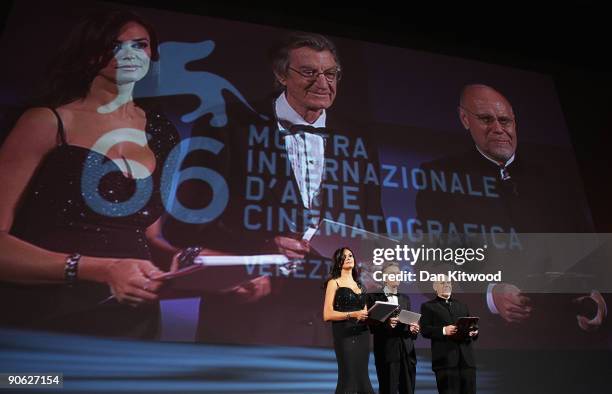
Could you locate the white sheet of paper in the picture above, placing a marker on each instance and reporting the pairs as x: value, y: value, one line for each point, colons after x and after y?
x: 260, y: 259
x: 408, y: 317
x: 203, y: 262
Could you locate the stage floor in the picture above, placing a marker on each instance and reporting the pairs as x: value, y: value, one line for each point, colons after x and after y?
x: 94, y: 365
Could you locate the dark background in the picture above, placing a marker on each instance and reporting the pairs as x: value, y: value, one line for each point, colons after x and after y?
x: 570, y: 44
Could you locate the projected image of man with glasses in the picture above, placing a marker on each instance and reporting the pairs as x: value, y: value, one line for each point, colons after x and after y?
x: 490, y: 119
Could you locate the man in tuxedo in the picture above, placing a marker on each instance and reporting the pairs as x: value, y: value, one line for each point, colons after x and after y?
x: 394, y: 352
x: 451, y: 350
x: 283, y: 166
x: 514, y: 192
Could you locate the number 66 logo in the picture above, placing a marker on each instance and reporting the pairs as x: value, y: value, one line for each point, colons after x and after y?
x: 96, y: 167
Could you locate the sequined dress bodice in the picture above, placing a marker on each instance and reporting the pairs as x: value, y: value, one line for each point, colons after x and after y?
x: 346, y: 300
x: 56, y: 212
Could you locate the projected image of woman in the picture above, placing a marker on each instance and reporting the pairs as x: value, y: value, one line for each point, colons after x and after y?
x: 345, y: 307
x: 80, y: 197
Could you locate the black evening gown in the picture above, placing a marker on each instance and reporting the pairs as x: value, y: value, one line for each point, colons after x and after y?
x: 351, y: 344
x: 54, y: 214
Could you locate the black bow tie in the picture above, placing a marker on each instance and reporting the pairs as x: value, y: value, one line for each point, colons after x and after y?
x: 300, y: 129
x: 303, y: 128
x: 391, y: 294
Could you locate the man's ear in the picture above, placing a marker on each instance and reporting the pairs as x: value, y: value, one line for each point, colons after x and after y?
x: 463, y: 117
x: 282, y: 79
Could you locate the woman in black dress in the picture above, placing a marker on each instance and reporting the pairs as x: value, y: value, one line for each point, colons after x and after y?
x: 345, y: 307
x: 80, y: 197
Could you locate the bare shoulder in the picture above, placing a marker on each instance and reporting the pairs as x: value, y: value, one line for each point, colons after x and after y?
x: 331, y: 285
x: 36, y: 129
x: 38, y: 115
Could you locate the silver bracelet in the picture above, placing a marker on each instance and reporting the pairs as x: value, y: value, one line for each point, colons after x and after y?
x: 71, y: 268
x: 188, y: 255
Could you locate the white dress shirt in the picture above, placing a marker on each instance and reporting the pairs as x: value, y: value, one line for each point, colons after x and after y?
x: 306, y: 152
x: 391, y: 297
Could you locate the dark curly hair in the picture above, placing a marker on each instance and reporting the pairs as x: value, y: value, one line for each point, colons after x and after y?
x: 85, y: 52
x: 338, y: 262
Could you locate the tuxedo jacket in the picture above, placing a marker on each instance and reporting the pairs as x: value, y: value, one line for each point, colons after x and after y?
x: 253, y: 162
x: 445, y: 350
x: 389, y: 341
x: 264, y: 199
